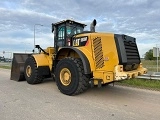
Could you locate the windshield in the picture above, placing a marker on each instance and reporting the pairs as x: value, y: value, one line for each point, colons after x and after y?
x: 72, y: 30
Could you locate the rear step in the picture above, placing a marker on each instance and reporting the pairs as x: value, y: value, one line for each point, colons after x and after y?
x: 17, y: 69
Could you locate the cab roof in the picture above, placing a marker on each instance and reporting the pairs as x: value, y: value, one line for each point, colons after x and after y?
x: 69, y: 21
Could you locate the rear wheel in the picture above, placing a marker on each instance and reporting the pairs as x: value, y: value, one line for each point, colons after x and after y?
x: 31, y: 71
x: 70, y: 77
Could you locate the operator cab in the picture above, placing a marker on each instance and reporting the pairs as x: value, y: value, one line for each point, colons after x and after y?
x: 64, y: 31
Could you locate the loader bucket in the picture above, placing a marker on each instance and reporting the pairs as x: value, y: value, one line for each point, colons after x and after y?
x: 17, y: 69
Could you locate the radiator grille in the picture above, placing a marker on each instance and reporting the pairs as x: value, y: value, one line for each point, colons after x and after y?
x: 98, y: 53
x: 131, y: 51
x: 127, y: 52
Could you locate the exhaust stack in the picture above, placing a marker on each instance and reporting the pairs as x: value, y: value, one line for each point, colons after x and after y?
x: 92, y: 26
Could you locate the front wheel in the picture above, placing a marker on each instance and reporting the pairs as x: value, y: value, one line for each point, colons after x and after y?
x: 70, y: 77
x: 31, y: 71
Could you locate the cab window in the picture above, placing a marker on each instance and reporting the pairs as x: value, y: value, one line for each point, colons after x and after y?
x: 61, y: 32
x: 72, y: 30
x: 61, y: 36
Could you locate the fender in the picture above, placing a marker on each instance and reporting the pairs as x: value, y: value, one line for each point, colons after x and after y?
x: 86, y: 64
x: 43, y: 64
x: 41, y: 59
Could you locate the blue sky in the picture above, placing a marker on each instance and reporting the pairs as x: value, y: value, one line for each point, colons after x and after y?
x: 137, y: 18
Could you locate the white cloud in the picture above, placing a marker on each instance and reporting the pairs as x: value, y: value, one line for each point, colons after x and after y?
x: 137, y: 18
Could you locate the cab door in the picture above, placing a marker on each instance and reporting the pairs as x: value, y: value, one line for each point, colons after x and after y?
x: 61, y: 36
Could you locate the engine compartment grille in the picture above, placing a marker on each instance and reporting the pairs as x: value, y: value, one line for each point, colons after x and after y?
x: 98, y: 53
x: 127, y: 52
x: 131, y: 51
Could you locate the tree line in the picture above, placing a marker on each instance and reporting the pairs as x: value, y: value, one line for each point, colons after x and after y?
x: 149, y: 55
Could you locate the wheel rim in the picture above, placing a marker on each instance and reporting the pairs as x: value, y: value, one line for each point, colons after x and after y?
x: 28, y: 71
x: 65, y: 76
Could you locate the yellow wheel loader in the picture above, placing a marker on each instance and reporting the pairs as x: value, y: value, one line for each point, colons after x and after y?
x: 80, y: 58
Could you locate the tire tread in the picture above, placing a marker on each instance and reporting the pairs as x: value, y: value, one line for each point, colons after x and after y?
x: 37, y: 78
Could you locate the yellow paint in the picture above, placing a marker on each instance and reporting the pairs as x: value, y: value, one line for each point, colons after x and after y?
x: 28, y: 71
x: 117, y: 74
x: 105, y: 76
x: 109, y: 69
x: 65, y: 77
x: 45, y: 60
x: 103, y: 60
x: 110, y: 55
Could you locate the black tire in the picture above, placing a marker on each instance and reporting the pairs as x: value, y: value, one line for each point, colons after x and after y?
x: 78, y: 82
x: 31, y: 71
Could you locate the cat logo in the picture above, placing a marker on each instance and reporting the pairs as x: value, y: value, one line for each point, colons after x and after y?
x: 80, y: 41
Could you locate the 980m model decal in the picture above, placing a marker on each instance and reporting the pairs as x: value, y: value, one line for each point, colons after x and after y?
x: 80, y: 41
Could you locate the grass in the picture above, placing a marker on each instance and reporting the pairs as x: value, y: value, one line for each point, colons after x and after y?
x: 149, y: 62
x: 142, y: 83
x: 5, y: 67
x: 151, y: 65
